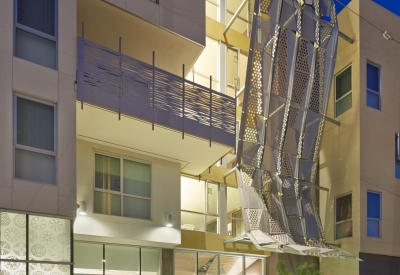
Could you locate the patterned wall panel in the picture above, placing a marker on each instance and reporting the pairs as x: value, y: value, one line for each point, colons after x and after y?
x: 46, y: 249
x: 289, y: 73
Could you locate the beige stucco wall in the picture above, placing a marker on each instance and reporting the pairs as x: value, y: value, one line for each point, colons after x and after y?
x: 165, y: 199
x: 54, y: 86
x: 340, y: 151
x: 378, y: 128
x: 184, y: 17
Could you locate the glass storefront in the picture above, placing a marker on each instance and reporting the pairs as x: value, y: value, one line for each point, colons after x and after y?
x: 203, y: 262
x: 46, y: 249
x: 107, y: 259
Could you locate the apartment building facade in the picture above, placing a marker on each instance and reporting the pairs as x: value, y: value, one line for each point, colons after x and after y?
x: 104, y: 142
x: 103, y: 111
x: 358, y: 158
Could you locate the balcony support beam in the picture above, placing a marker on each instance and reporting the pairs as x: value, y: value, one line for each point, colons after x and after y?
x: 235, y: 16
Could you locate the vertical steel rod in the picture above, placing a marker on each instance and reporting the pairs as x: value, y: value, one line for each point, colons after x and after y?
x: 236, y: 104
x: 120, y: 79
x: 140, y: 261
x: 210, y: 108
x: 71, y: 228
x: 27, y: 243
x: 83, y: 37
x: 104, y: 259
x: 183, y: 101
x: 154, y: 94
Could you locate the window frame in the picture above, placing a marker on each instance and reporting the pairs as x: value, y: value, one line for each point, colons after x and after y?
x: 121, y: 193
x: 35, y: 32
x: 346, y: 94
x: 340, y: 222
x: 33, y: 149
x: 205, y: 212
x: 380, y: 214
x: 370, y: 90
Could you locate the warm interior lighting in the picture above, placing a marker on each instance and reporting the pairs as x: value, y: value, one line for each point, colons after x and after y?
x: 169, y: 220
x: 82, y: 208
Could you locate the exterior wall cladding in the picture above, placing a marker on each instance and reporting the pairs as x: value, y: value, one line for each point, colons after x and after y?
x: 359, y: 155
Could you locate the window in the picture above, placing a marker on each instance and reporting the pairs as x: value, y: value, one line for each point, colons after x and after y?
x: 49, y: 241
x: 373, y: 214
x: 34, y: 142
x: 122, y: 187
x: 343, y: 97
x: 343, y: 217
x: 199, y: 205
x: 373, y: 83
x: 36, y: 31
x: 91, y: 258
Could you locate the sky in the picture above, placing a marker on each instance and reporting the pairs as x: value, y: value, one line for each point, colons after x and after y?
x: 392, y: 5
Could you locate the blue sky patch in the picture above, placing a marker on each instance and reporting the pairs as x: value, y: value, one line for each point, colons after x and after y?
x: 391, y: 5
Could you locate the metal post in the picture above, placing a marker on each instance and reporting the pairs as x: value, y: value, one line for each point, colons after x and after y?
x: 234, y: 16
x: 140, y: 261
x: 154, y: 94
x: 83, y: 37
x: 27, y: 242
x: 120, y: 79
x: 104, y: 259
x: 210, y: 108
x: 236, y: 103
x: 183, y: 101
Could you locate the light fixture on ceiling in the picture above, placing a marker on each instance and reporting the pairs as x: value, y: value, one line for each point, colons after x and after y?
x: 222, y: 270
x: 169, y: 220
x: 387, y: 35
x: 82, y: 208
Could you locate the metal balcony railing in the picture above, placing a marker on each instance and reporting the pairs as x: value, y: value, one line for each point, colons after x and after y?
x: 126, y: 85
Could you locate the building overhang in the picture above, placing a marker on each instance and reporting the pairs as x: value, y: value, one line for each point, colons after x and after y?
x: 99, y: 125
x: 105, y: 23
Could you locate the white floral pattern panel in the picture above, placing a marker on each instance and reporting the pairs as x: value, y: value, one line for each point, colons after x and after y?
x: 49, y: 240
x: 48, y: 269
x: 12, y: 236
x: 12, y: 268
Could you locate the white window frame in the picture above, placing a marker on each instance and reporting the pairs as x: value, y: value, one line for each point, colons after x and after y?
x: 36, y: 32
x: 346, y: 94
x: 121, y: 193
x: 370, y: 90
x: 380, y: 214
x: 33, y: 149
x: 336, y: 223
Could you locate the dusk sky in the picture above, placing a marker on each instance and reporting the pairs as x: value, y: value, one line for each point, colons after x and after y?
x: 392, y: 5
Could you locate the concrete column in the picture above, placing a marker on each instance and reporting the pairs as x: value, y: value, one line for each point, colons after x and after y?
x: 222, y: 11
x: 222, y: 62
x: 222, y: 209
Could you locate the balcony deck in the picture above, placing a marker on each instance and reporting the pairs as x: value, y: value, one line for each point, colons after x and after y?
x: 111, y: 80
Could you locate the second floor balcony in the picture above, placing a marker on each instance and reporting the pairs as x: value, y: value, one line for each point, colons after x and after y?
x: 176, y: 117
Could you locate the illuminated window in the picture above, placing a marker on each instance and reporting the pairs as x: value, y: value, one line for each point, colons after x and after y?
x: 122, y: 187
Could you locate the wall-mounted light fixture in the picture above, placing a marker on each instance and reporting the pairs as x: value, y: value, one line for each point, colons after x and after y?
x: 82, y: 208
x: 169, y: 220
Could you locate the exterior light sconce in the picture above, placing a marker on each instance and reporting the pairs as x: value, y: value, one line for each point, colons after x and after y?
x: 169, y: 220
x: 82, y: 208
x: 387, y: 35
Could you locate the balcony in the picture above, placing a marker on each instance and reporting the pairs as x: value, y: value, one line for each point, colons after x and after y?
x: 193, y: 124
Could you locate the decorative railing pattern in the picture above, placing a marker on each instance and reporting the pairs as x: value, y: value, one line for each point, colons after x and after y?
x: 126, y: 85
